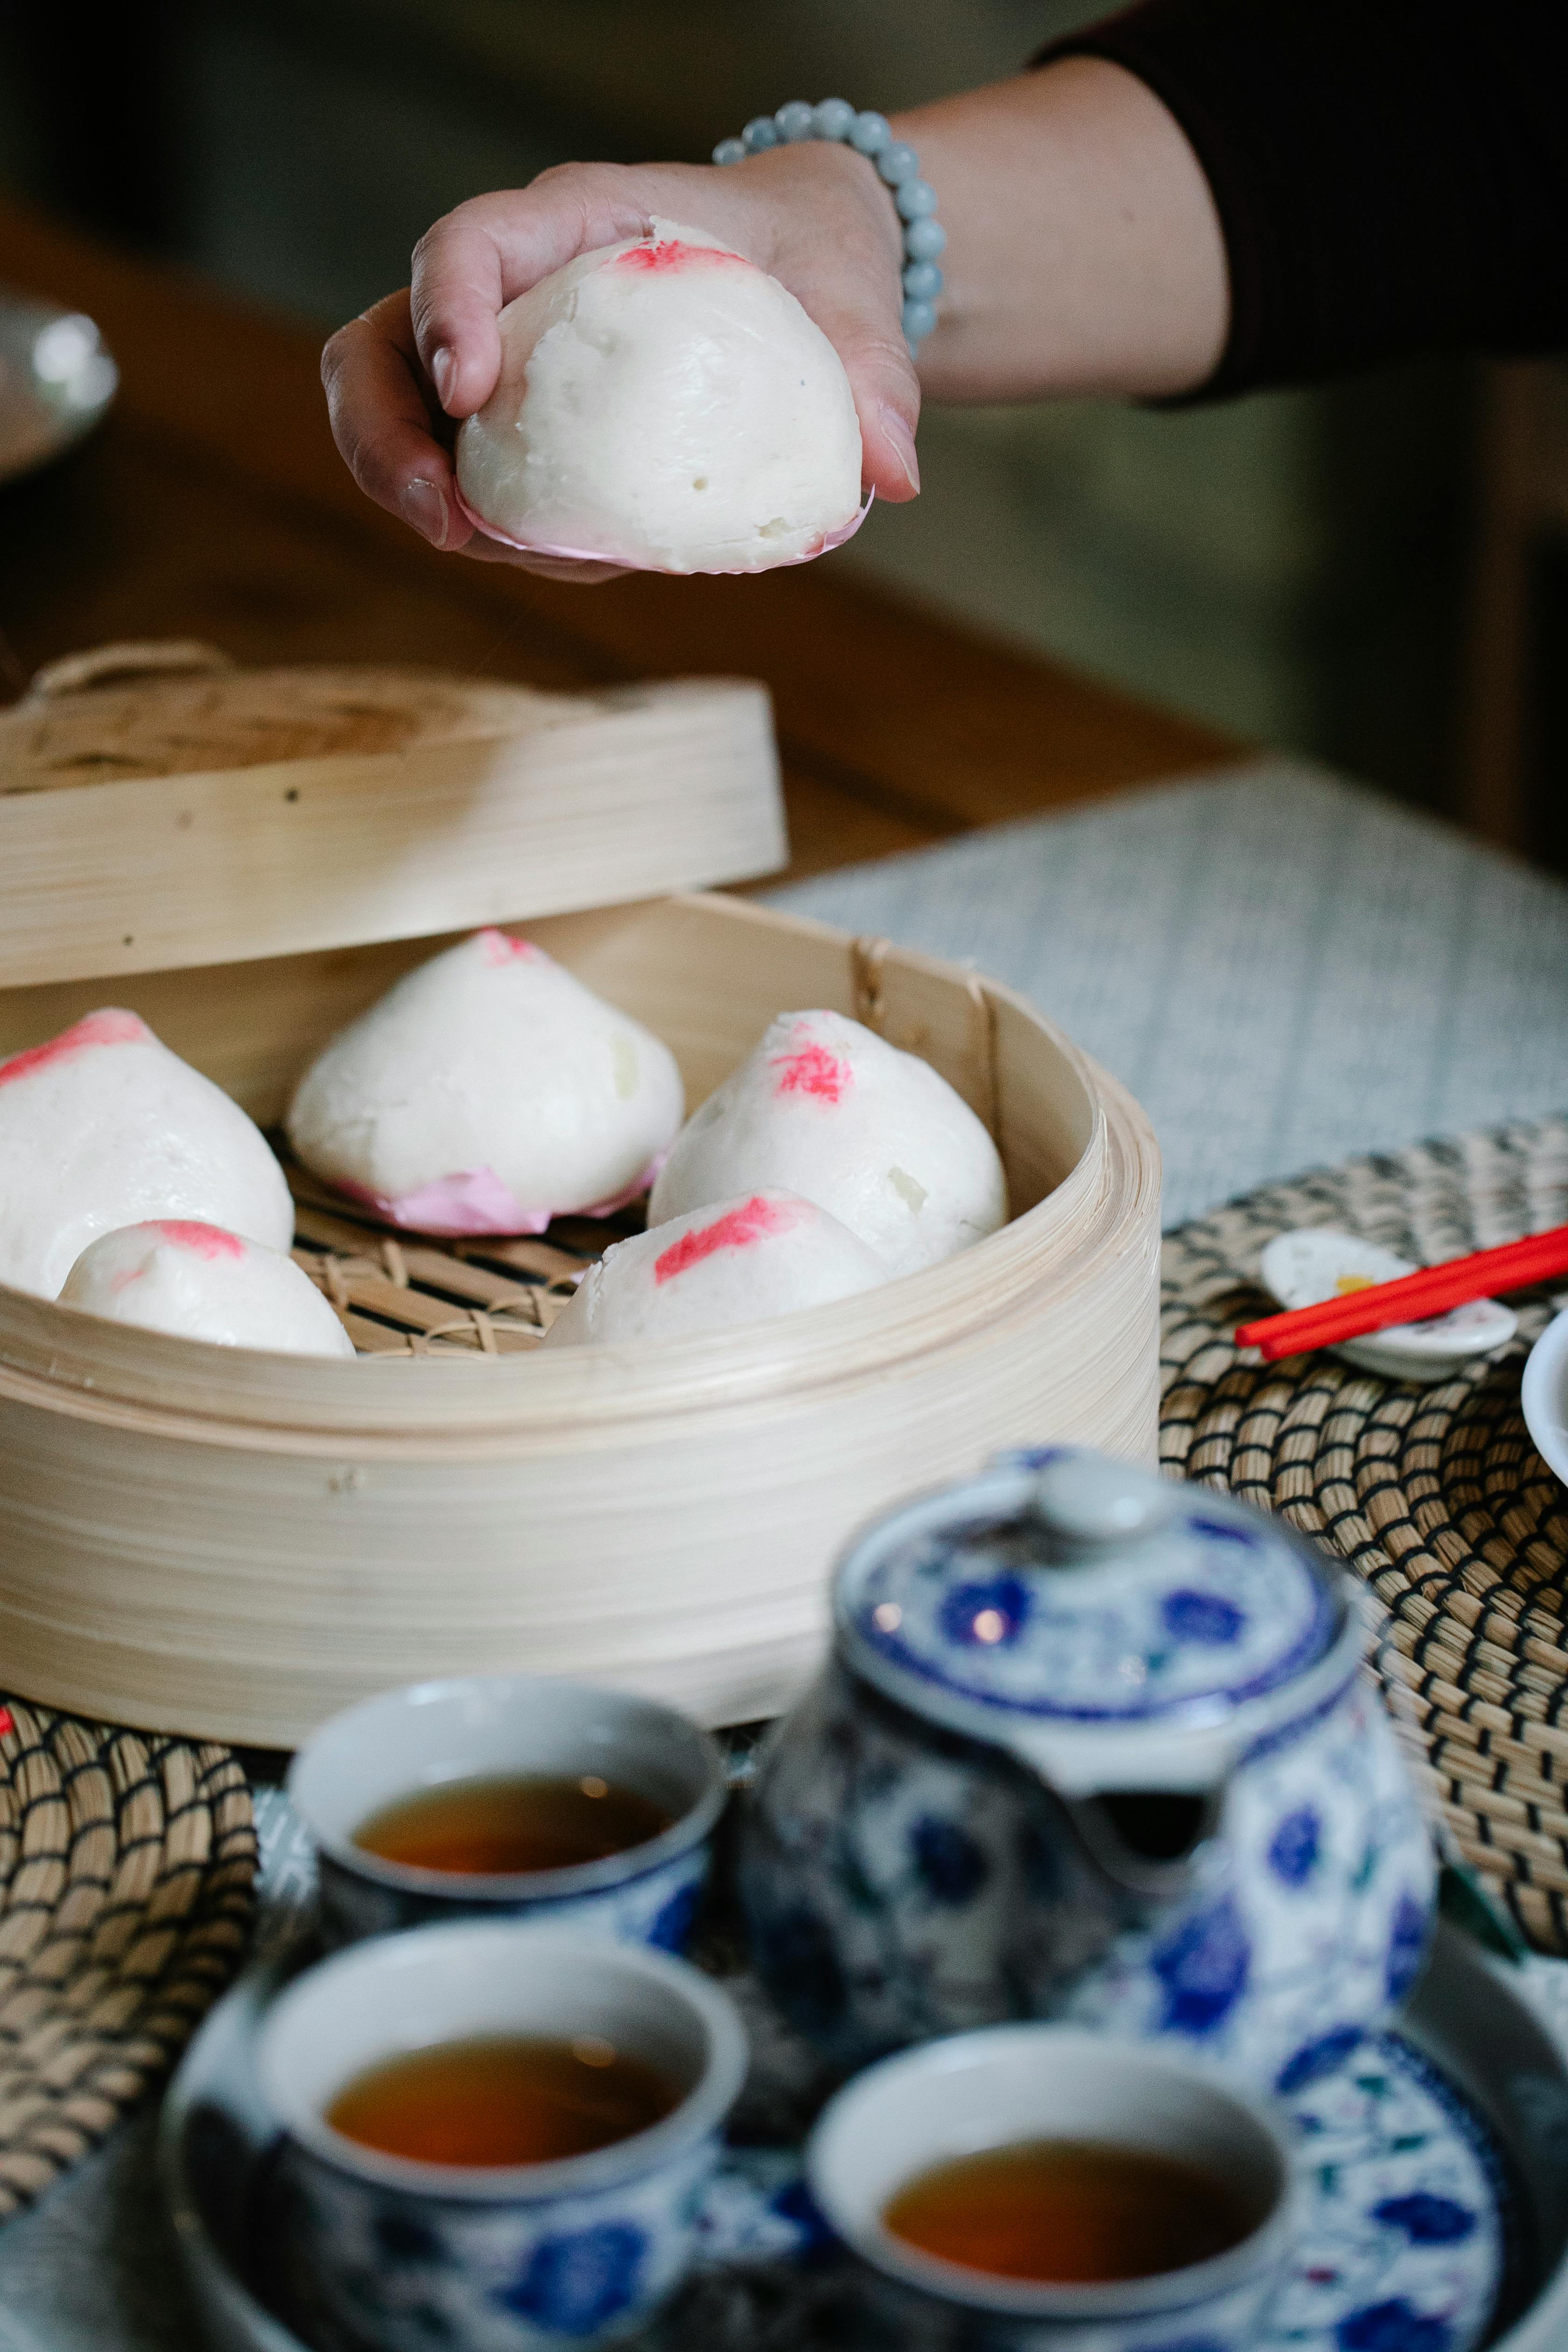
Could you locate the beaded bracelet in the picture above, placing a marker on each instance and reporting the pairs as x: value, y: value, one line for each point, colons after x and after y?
x: 871, y: 136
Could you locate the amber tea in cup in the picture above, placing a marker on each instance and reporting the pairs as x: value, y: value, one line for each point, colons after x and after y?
x: 499, y: 1824
x: 1070, y: 2211
x: 502, y: 2100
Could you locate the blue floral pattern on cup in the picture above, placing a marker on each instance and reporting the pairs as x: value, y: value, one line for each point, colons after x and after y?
x: 1406, y: 2235
x: 660, y: 1907
x: 545, y: 2276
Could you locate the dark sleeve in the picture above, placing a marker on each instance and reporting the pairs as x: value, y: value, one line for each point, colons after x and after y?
x: 1391, y: 176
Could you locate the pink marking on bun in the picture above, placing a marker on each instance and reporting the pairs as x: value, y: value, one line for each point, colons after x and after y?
x: 757, y: 1220
x: 474, y: 1200
x: 203, y: 1240
x: 811, y: 1069
x: 501, y: 948
x: 671, y: 253
x: 109, y: 1027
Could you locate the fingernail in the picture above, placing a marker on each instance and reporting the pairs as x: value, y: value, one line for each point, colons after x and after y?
x: 903, y: 443
x: 425, y: 506
x: 442, y: 368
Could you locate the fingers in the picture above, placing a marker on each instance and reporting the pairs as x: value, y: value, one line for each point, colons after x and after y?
x: 380, y: 409
x: 383, y: 426
x: 489, y: 250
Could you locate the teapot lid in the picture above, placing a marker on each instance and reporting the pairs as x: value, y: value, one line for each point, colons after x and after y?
x: 1066, y: 1588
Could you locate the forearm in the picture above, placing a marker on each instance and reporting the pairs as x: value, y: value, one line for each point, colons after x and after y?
x: 1084, y: 250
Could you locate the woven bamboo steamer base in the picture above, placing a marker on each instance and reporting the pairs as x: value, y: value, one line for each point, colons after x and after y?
x: 233, y: 1546
x: 1436, y: 1496
x: 126, y: 1869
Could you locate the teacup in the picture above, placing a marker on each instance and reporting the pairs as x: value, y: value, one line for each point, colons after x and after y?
x: 403, y: 2253
x: 406, y: 1741
x: 1009, y: 2084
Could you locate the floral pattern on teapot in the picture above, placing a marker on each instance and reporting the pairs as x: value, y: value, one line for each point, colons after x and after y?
x: 1124, y: 1648
x: 903, y: 1878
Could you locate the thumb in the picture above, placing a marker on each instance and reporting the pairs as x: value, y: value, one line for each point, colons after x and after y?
x: 887, y: 391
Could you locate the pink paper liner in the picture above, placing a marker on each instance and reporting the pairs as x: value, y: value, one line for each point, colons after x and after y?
x: 824, y: 546
x: 474, y: 1200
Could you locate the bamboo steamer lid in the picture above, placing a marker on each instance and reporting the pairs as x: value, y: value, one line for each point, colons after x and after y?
x: 227, y: 1544
x: 161, y: 807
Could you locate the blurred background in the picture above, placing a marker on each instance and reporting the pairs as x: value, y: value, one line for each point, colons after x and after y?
x: 1352, y: 572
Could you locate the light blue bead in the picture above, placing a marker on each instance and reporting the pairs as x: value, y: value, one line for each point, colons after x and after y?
x: 922, y: 281
x: 796, y: 121
x: 834, y: 118
x: 760, y: 133
x: 898, y: 163
x: 925, y: 239
x: 918, y: 319
x: 870, y: 133
x: 730, y: 151
x: 916, y: 199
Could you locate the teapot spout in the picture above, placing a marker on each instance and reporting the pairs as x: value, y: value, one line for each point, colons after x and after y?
x: 1143, y: 1800
x: 1146, y: 1842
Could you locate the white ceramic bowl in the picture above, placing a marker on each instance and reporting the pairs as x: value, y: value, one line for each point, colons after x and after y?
x: 1012, y: 2083
x: 1544, y: 1394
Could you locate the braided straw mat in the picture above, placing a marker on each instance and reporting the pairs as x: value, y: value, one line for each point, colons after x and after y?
x: 126, y: 1866
x: 1435, y: 1495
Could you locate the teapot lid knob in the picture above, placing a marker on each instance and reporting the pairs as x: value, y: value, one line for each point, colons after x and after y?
x: 1086, y: 1499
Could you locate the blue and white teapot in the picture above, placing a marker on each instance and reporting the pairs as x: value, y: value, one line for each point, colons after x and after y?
x: 1092, y: 1746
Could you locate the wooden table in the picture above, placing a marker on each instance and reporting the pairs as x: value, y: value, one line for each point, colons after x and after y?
x: 214, y: 505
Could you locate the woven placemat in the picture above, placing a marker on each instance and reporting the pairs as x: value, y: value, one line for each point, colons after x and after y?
x: 1436, y: 1496
x: 127, y: 1861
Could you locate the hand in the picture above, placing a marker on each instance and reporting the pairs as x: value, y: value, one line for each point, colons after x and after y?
x: 814, y: 215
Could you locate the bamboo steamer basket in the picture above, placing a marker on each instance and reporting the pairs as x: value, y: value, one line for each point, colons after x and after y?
x: 231, y: 1544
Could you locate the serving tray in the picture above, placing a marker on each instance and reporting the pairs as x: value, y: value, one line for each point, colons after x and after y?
x: 1434, y: 2172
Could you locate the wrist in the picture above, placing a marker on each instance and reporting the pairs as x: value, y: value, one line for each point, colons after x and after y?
x: 908, y: 201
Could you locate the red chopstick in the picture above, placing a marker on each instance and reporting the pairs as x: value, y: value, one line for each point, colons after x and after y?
x: 1516, y: 1265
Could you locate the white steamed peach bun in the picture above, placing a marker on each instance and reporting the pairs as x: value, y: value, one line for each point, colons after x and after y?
x: 738, y: 1262
x: 666, y: 405
x: 175, y: 1273
x: 827, y: 1108
x: 103, y: 1127
x: 486, y: 1093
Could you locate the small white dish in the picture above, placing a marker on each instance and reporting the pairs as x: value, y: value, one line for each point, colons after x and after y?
x: 1544, y: 1394
x: 1317, y: 1263
x: 56, y: 382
